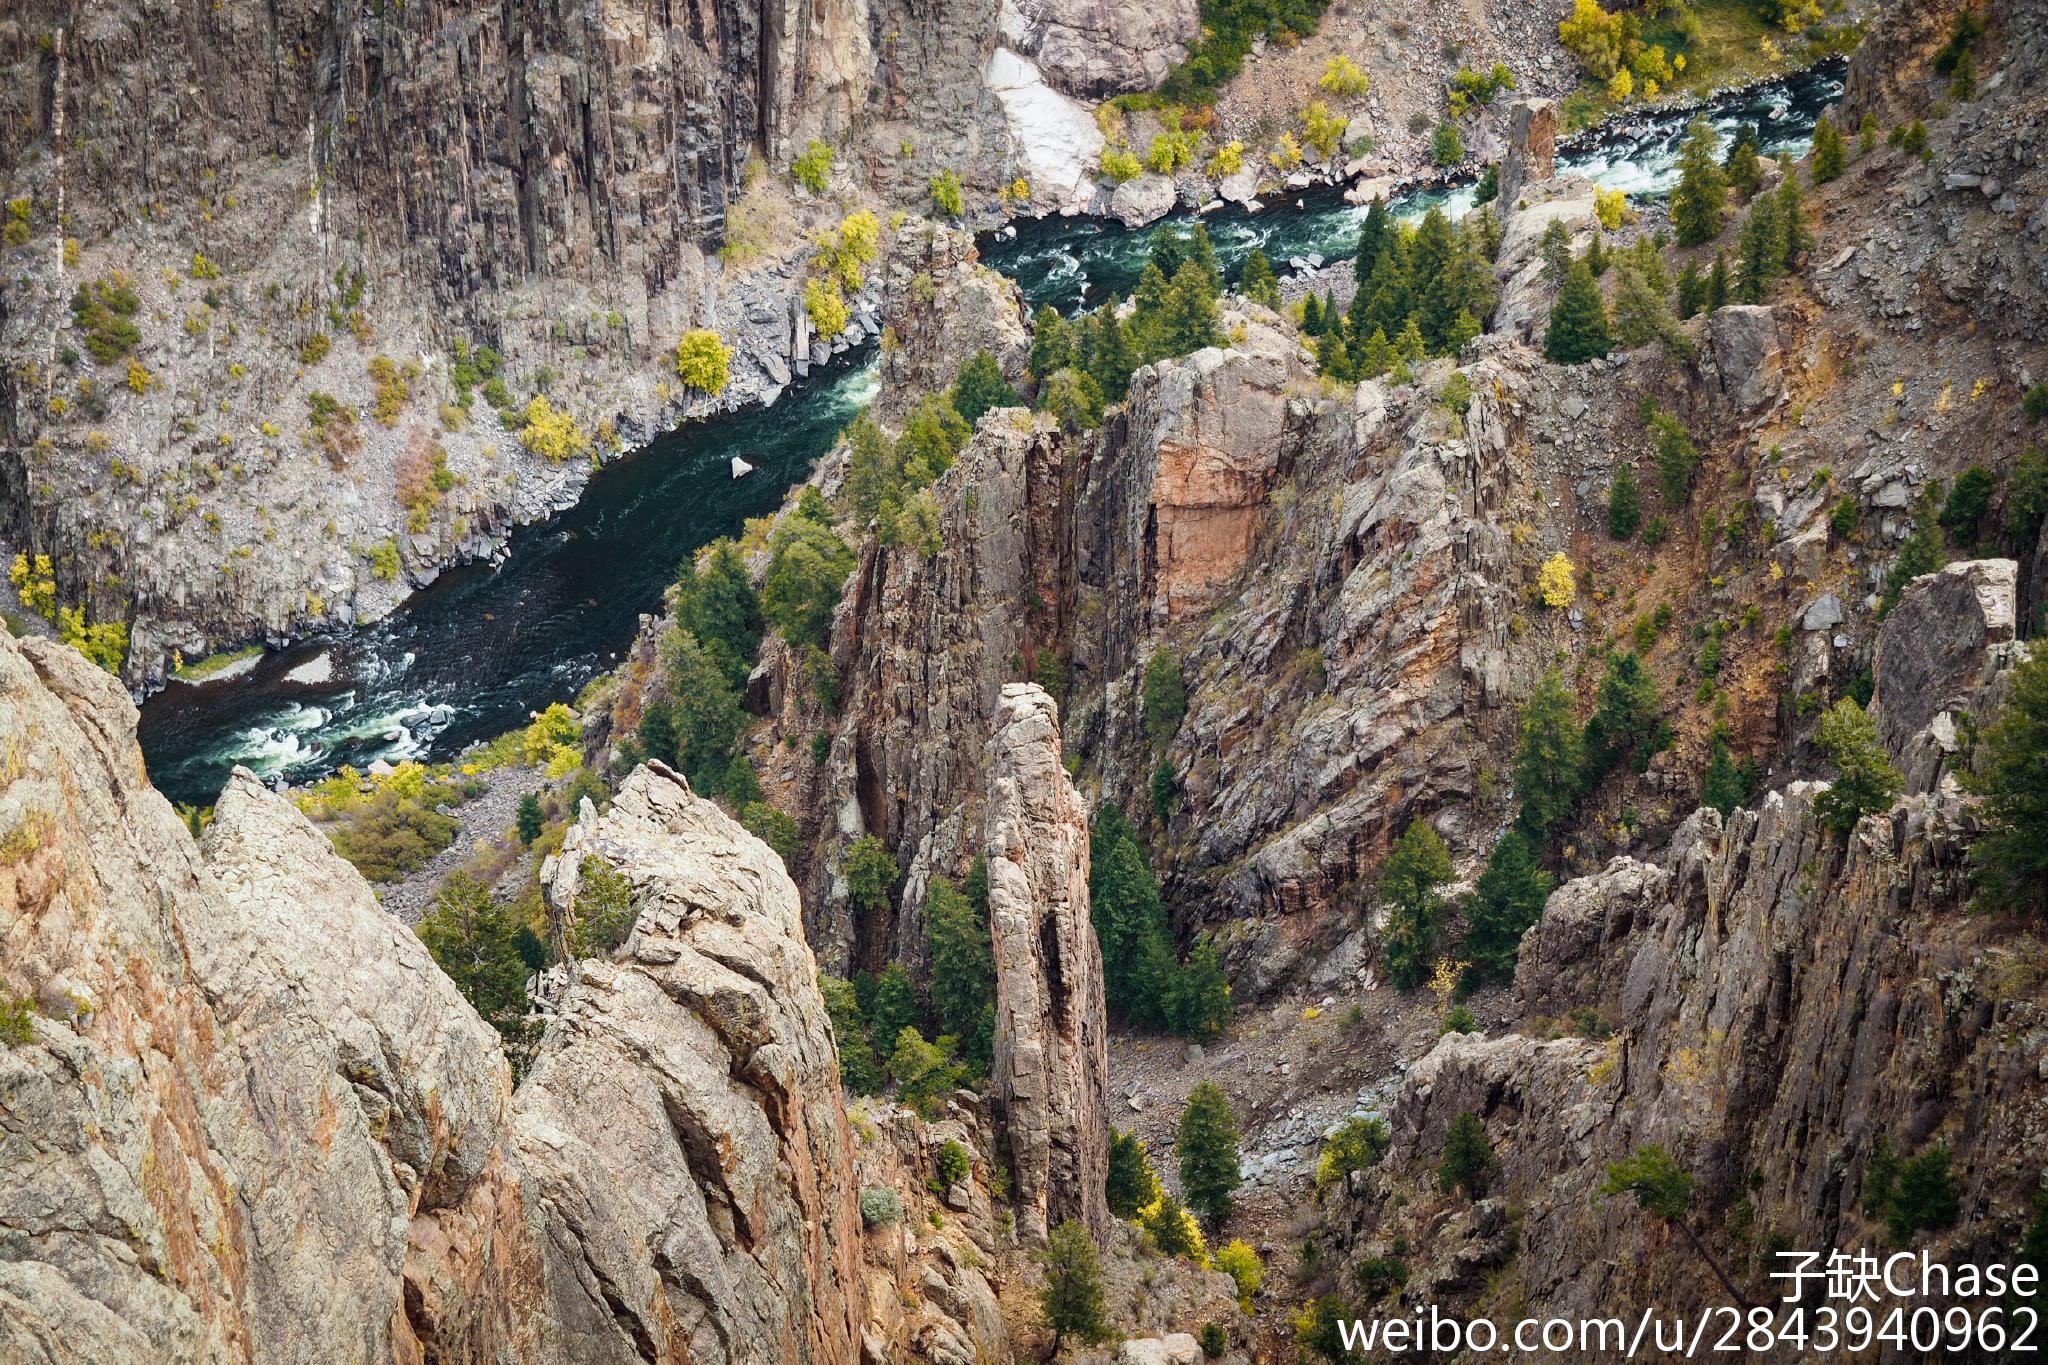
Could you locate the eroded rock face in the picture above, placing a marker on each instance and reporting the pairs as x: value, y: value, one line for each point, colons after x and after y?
x: 1949, y: 635
x: 1051, y: 1068
x: 1094, y: 48
x: 1532, y: 147
x: 255, y: 1121
x: 1746, y: 353
x: 942, y: 307
x: 701, y: 1062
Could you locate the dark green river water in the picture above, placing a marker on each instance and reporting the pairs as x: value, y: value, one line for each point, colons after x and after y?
x: 470, y: 656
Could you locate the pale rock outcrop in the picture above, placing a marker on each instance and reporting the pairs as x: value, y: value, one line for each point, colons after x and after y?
x: 1055, y: 137
x: 700, y: 1061
x: 1143, y: 199
x: 1051, y: 1068
x: 1950, y: 634
x: 1093, y: 48
x: 1523, y: 311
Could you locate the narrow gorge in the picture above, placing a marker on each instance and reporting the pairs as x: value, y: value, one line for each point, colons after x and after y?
x: 861, y: 683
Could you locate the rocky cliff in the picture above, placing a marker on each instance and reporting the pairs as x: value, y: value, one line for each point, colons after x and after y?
x: 252, y: 1119
x: 1051, y: 1069
x: 1784, y: 1004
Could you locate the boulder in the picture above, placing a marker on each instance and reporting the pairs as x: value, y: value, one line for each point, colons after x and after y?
x: 1746, y: 353
x: 1096, y: 48
x: 1142, y: 200
x: 1178, y: 1348
x: 1949, y: 635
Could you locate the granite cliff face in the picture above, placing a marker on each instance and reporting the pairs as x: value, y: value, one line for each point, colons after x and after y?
x: 254, y: 1119
x: 1051, y: 1068
x: 1783, y: 1002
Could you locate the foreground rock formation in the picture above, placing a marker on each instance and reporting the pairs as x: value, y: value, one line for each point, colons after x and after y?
x: 1051, y: 1069
x: 297, y: 1142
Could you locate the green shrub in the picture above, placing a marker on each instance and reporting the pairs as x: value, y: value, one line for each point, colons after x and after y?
x: 812, y: 169
x: 880, y: 1207
x: 1354, y: 1145
x: 704, y: 361
x: 1467, y: 1158
x: 952, y: 1165
x: 945, y: 191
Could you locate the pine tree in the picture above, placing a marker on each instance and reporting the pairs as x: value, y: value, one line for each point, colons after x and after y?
x: 963, y: 983
x: 1125, y: 909
x: 1391, y: 287
x: 1332, y: 357
x: 1505, y: 902
x: 1699, y: 199
x: 1132, y: 1184
x: 1762, y: 250
x: 1052, y: 344
x: 1556, y: 250
x: 1312, y: 316
x: 1723, y: 787
x: 2010, y: 858
x: 719, y: 606
x: 1409, y: 345
x: 1717, y: 284
x: 1163, y: 694
x: 1865, y: 780
x: 1198, y: 994
x: 1468, y: 1156
x: 1624, y: 505
x: 1743, y: 170
x: 1578, y: 320
x: 530, y: 820
x: 1548, y: 758
x: 1258, y: 282
x: 1678, y: 459
x: 859, y: 1069
x: 475, y: 939
x: 1207, y: 1149
x: 1795, y: 237
x: 1692, y: 291
x: 1663, y: 1189
x: 980, y: 386
x: 1072, y: 1295
x: 1596, y: 255
x: 1624, y: 723
x: 1372, y: 236
x: 895, y: 1005
x: 1830, y: 151
x: 1376, y: 357
x: 1106, y: 351
x: 1189, y: 321
x: 1409, y: 893
x: 1429, y: 261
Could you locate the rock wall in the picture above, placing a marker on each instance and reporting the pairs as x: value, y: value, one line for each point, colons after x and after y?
x: 1771, y: 1000
x: 253, y: 1119
x: 1094, y: 48
x: 1051, y: 1068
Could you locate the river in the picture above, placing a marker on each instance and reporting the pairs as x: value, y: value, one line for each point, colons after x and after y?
x: 474, y: 653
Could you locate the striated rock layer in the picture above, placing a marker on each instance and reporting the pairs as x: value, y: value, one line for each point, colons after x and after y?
x: 1051, y: 1068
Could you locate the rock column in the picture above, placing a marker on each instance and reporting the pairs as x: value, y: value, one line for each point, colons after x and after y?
x: 1051, y: 1055
x: 1532, y: 149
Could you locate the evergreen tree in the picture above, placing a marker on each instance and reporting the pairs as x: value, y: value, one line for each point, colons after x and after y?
x: 1548, y: 759
x: 859, y: 1069
x: 1795, y: 237
x: 1333, y: 358
x: 1468, y: 1157
x: 1596, y: 255
x: 1692, y: 291
x: 1258, y: 282
x: 1624, y: 505
x: 1107, y: 353
x: 1312, y: 316
x: 963, y: 963
x: 475, y: 940
x: 1393, y: 298
x: 1207, y: 1148
x: 1556, y: 250
x: 1409, y: 891
x: 980, y: 386
x: 1624, y: 723
x: 1129, y: 918
x: 657, y: 731
x: 1700, y: 197
x: 1372, y: 236
x: 1165, y: 790
x: 1865, y: 780
x: 1198, y: 994
x: 1830, y: 151
x: 895, y: 1005
x: 1073, y: 398
x: 1052, y: 344
x: 1744, y: 171
x: 719, y: 606
x: 1663, y: 1189
x: 1920, y: 554
x: 1678, y: 459
x: 530, y: 819
x: 1761, y: 250
x: 1969, y: 498
x: 1717, y: 284
x: 871, y: 470
x: 1429, y: 263
x: 708, y: 717
x: 1189, y: 320
x: 1409, y: 345
x: 1164, y: 694
x: 1925, y: 1197
x: 1071, y: 1297
x: 1578, y: 320
x: 1376, y: 357
x: 1132, y: 1183
x: 1723, y: 788
x: 1505, y: 902
x: 2009, y: 861
x: 1641, y: 314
